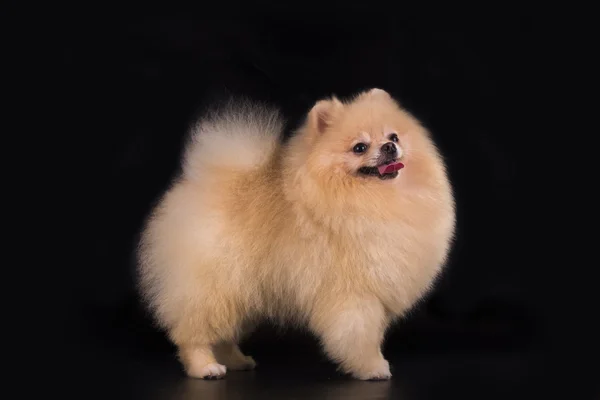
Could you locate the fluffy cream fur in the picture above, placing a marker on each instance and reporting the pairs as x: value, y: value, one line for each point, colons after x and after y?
x: 256, y: 229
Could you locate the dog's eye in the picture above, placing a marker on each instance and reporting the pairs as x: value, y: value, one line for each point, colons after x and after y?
x: 394, y: 138
x: 360, y: 148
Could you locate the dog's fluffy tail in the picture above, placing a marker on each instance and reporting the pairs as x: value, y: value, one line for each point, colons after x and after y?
x: 242, y: 136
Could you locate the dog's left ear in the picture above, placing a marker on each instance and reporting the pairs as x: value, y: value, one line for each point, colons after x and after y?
x: 323, y: 114
x: 376, y: 92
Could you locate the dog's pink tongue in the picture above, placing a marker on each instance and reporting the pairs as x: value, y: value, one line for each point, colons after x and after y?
x: 389, y: 168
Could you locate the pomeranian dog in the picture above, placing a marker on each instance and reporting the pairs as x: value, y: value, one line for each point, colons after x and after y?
x: 341, y: 229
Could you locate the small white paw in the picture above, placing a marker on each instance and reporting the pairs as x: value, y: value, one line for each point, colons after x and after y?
x: 378, y: 371
x: 209, y: 371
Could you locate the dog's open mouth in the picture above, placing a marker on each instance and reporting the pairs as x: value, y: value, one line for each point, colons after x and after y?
x: 385, y: 171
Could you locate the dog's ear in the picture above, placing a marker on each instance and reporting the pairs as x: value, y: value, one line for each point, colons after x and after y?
x: 323, y: 114
x: 376, y: 92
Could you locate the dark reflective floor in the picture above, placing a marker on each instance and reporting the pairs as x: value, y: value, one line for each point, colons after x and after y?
x: 431, y: 359
x: 478, y: 376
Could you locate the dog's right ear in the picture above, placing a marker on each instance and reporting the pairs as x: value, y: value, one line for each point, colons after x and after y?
x: 323, y: 114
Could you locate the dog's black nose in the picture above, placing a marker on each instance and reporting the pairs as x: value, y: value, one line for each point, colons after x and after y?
x: 389, y: 149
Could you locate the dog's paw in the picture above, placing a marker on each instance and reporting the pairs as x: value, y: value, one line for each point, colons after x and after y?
x: 379, y: 370
x: 209, y: 371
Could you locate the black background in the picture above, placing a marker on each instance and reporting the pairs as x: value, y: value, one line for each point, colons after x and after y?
x: 130, y: 85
